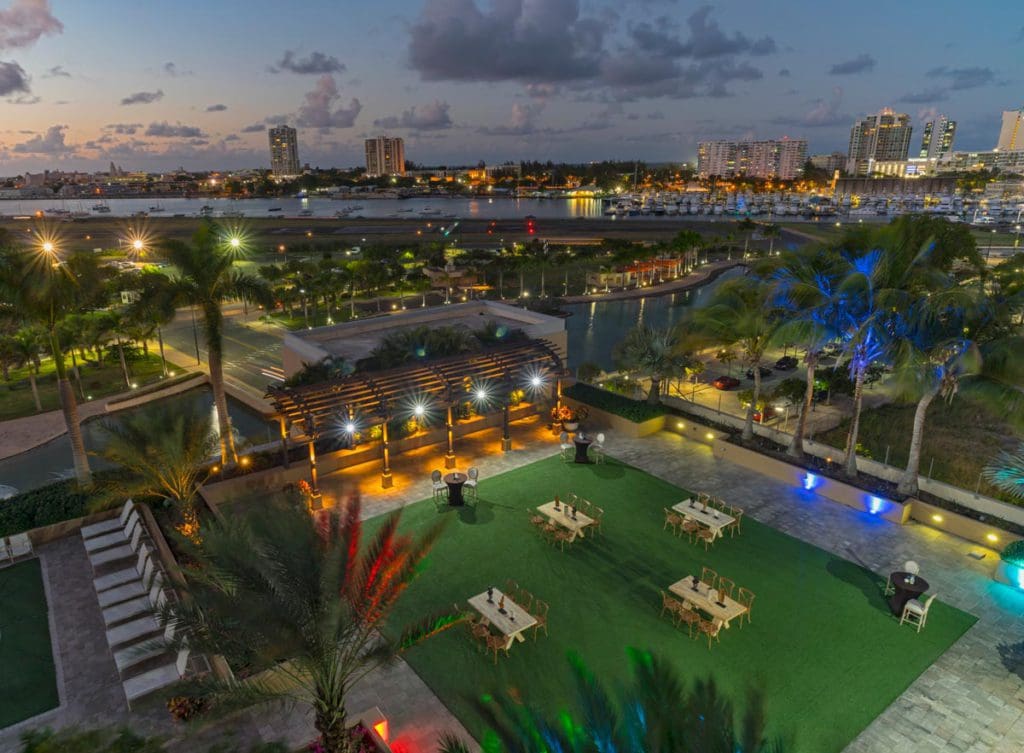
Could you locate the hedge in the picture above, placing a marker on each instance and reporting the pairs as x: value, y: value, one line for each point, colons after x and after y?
x: 44, y: 506
x: 636, y: 411
x: 1014, y: 553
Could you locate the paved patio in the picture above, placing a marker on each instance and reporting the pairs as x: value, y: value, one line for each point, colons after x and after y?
x: 971, y: 700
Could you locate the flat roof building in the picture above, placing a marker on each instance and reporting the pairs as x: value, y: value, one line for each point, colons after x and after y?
x: 385, y: 155
x: 882, y: 137
x: 284, y: 152
x: 781, y: 159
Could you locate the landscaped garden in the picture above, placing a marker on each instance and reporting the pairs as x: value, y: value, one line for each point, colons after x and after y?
x: 822, y: 644
x: 28, y: 683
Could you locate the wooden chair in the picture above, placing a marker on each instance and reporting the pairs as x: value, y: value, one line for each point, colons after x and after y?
x: 888, y: 589
x: 703, y: 498
x: 496, y: 643
x: 537, y: 519
x: 511, y: 589
x: 565, y: 447
x: 746, y: 600
x: 524, y: 599
x: 690, y: 528
x: 917, y: 613
x: 725, y: 588
x: 540, y: 613
x: 734, y: 527
x: 707, y: 536
x: 708, y: 576
x: 549, y: 531
x: 710, y: 628
x: 563, y: 537
x: 598, y: 515
x: 690, y: 617
x: 674, y: 519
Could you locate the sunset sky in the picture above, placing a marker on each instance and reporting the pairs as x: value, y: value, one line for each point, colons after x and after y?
x: 158, y: 84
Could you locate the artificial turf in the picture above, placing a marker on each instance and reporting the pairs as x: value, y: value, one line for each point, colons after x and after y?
x: 28, y: 682
x: 822, y: 643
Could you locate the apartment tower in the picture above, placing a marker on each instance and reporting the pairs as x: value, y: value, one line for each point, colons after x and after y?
x: 882, y: 137
x: 284, y: 152
x: 385, y: 156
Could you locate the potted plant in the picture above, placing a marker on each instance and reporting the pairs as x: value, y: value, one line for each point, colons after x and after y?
x: 569, y: 417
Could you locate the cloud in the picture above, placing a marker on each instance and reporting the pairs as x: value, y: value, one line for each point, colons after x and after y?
x: 56, y: 72
x: 860, y: 64
x: 934, y: 94
x: 963, y: 78
x: 167, y: 130
x: 123, y: 129
x: 707, y: 40
x: 216, y: 108
x: 823, y: 113
x: 522, y: 122
x: 314, y: 63
x: 784, y: 73
x: 254, y: 128
x: 174, y: 71
x: 25, y: 99
x: 25, y: 21
x: 143, y: 98
x: 50, y: 143
x: 232, y: 137
x: 323, y: 110
x: 429, y: 117
x: 13, y: 79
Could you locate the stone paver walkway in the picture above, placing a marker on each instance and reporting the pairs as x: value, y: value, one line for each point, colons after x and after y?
x: 970, y: 701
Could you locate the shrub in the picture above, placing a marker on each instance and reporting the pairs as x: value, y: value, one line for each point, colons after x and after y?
x: 632, y: 410
x: 42, y: 507
x: 1013, y: 554
x: 588, y: 372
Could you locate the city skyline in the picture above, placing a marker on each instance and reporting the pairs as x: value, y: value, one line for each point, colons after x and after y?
x: 84, y: 84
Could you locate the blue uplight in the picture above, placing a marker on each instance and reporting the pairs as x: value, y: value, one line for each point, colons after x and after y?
x: 875, y: 505
x: 810, y: 481
x: 1020, y: 577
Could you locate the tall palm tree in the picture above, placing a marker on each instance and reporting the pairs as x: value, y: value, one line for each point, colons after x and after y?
x: 164, y: 453
x: 771, y: 231
x: 301, y: 600
x: 206, y: 277
x: 656, y: 712
x: 28, y: 343
x: 42, y: 287
x: 743, y: 313
x: 154, y: 307
x: 746, y: 226
x: 653, y: 353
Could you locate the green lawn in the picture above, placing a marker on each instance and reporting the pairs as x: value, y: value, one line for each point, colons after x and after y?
x: 16, y: 398
x: 961, y: 437
x: 822, y: 642
x: 28, y: 683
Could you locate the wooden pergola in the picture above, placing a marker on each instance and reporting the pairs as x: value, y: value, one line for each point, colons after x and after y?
x: 419, y: 390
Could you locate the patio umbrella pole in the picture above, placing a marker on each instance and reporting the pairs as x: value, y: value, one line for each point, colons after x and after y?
x: 506, y: 439
x: 449, y: 457
x: 386, y: 482
x: 316, y: 502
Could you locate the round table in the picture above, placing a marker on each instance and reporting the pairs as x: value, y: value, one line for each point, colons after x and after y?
x: 904, y: 591
x: 455, y: 481
x: 581, y: 449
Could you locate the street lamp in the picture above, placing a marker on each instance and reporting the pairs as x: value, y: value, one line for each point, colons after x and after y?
x: 48, y: 247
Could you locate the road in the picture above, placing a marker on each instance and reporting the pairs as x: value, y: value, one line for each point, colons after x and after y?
x: 252, y: 348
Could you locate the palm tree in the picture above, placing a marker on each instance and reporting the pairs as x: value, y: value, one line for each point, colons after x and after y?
x: 154, y: 308
x: 303, y: 601
x: 1006, y: 472
x: 742, y: 313
x: 654, y: 713
x: 27, y: 343
x: 206, y: 278
x: 42, y: 288
x: 771, y: 231
x: 653, y: 353
x: 164, y: 453
x: 746, y: 226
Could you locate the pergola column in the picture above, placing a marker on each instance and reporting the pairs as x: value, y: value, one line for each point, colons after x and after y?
x: 506, y: 438
x: 284, y: 440
x: 449, y: 456
x: 317, y: 500
x: 386, y: 482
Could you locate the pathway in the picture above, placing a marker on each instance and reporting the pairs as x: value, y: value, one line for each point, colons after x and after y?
x: 706, y: 274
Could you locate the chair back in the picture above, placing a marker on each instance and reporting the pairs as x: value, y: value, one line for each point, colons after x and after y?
x: 725, y: 587
x: 435, y: 475
x: 473, y: 473
x: 708, y: 576
x: 564, y: 437
x: 600, y: 438
x: 745, y: 597
x: 540, y: 609
x: 147, y: 571
x: 129, y: 506
x: 928, y: 603
x: 182, y: 663
x: 911, y: 567
x: 156, y: 589
x: 137, y: 537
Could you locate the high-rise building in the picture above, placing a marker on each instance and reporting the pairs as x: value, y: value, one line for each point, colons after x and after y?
x: 782, y: 159
x: 882, y: 137
x: 385, y: 156
x: 937, y: 139
x: 284, y: 152
x: 1011, y: 135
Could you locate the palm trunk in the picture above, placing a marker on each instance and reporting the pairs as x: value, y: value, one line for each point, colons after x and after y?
x: 70, y: 410
x: 160, y: 340
x: 220, y: 401
x: 851, y: 439
x: 908, y: 482
x: 124, y: 364
x: 796, y: 445
x: 35, y: 391
x: 332, y: 731
x: 748, y: 427
x: 74, y: 370
x: 654, y: 394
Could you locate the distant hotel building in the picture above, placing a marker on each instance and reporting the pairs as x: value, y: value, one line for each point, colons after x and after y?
x: 385, y: 156
x: 829, y: 162
x: 781, y: 160
x: 1011, y: 135
x: 284, y: 152
x: 937, y: 140
x: 883, y: 137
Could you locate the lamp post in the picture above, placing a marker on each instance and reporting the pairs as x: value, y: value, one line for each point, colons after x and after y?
x: 449, y: 456
x: 386, y: 482
x: 316, y: 502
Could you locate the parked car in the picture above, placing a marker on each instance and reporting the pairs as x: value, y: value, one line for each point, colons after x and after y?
x: 787, y: 363
x: 765, y: 372
x: 726, y: 383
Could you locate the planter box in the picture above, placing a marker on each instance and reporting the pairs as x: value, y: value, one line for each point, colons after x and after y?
x: 1011, y: 575
x: 599, y: 419
x: 693, y: 430
x: 800, y: 478
x: 961, y: 525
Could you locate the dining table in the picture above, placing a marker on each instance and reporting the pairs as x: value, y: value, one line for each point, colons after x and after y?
x: 455, y: 482
x: 510, y: 619
x: 905, y: 587
x: 709, y: 517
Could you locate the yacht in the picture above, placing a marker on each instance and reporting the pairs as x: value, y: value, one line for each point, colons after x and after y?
x: 101, y: 208
x: 157, y: 208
